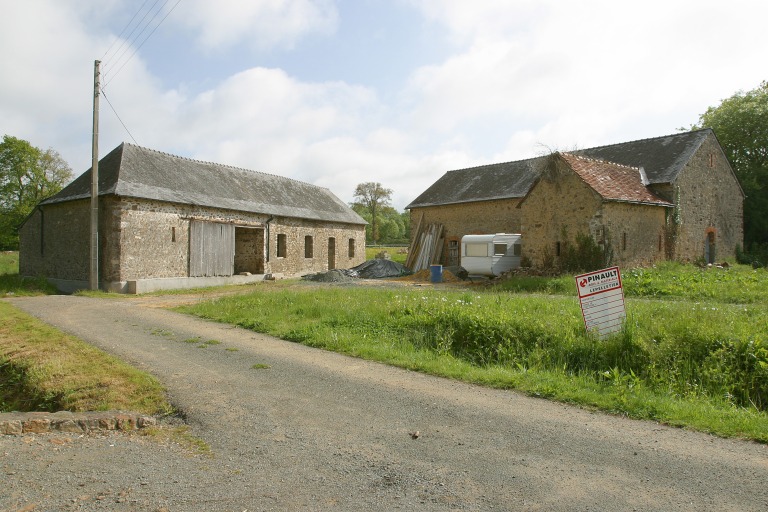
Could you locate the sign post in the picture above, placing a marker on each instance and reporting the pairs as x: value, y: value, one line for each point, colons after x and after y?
x: 602, y: 301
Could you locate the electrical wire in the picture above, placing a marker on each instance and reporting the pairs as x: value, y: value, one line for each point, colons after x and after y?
x: 120, y: 35
x: 146, y: 38
x: 118, y: 117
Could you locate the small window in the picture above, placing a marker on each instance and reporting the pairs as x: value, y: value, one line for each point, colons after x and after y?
x: 281, y: 246
x: 557, y: 248
x: 711, y: 160
x: 517, y: 250
x: 499, y: 249
x: 480, y: 250
x: 309, y: 247
x: 173, y: 234
x: 624, y: 241
x: 351, y: 247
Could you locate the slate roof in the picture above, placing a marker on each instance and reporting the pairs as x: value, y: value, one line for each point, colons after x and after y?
x: 134, y: 171
x: 662, y: 158
x: 613, y: 182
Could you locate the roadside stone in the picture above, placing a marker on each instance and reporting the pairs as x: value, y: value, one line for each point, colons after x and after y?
x: 17, y: 423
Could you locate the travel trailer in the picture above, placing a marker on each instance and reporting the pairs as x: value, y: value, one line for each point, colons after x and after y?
x: 490, y: 255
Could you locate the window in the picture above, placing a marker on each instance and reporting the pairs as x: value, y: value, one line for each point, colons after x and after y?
x: 557, y: 248
x: 173, y: 234
x: 480, y: 250
x: 351, y: 247
x: 281, y: 247
x: 309, y: 246
x: 711, y: 160
x: 517, y: 250
x: 499, y: 249
x: 624, y: 241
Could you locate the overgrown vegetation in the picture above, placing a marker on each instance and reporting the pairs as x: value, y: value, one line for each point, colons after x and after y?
x: 696, y: 360
x: 43, y: 369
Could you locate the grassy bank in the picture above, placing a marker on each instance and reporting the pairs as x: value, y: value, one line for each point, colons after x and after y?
x: 43, y: 369
x: 687, y: 362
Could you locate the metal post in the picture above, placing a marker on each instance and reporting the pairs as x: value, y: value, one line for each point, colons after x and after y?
x: 94, y: 262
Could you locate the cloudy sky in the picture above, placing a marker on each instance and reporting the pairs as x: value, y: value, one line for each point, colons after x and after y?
x: 339, y: 92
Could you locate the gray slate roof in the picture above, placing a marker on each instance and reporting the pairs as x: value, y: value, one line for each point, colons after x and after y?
x: 662, y: 158
x: 133, y: 171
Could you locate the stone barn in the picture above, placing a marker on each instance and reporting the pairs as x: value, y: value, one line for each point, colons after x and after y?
x: 171, y: 222
x: 672, y: 197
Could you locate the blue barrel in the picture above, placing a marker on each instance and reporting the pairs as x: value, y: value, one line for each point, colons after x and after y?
x: 436, y: 273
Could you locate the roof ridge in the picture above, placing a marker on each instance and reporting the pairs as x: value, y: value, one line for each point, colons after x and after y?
x: 216, y: 164
x: 602, y: 161
x: 646, y: 139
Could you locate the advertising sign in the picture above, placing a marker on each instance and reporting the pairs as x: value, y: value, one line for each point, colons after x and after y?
x: 602, y: 301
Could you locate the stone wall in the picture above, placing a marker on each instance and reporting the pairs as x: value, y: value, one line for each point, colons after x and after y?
x: 330, y: 246
x: 554, y: 211
x: 55, y: 242
x: 709, y: 200
x: 141, y: 239
x: 482, y: 217
x: 559, y: 208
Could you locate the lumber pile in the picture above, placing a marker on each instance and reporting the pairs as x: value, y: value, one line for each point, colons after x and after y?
x: 426, y: 247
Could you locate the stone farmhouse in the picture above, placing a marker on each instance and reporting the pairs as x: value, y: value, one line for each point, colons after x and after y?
x: 171, y: 222
x: 673, y: 197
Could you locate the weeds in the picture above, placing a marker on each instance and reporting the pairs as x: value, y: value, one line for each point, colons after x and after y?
x: 669, y: 352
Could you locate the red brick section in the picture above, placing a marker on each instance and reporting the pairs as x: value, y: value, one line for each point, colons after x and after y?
x: 15, y: 423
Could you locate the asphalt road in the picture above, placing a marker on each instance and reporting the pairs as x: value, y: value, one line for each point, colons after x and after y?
x: 295, y: 428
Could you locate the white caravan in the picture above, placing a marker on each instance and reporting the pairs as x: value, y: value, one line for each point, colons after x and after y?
x: 490, y: 255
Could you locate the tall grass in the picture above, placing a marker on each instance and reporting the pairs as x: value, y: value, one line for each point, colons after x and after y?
x: 669, y: 353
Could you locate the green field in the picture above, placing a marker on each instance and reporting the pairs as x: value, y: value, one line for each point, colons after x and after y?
x: 397, y: 254
x: 693, y: 354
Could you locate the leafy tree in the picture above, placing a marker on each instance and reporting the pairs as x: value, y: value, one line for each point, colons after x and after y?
x: 372, y: 197
x: 741, y: 125
x: 27, y: 176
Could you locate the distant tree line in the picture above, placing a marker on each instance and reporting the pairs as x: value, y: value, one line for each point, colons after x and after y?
x: 27, y: 176
x: 385, y: 224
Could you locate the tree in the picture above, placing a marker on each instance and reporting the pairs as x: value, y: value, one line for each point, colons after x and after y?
x: 372, y: 197
x: 27, y: 176
x: 741, y: 125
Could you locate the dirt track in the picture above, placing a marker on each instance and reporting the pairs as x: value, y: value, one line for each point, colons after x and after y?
x: 320, y: 431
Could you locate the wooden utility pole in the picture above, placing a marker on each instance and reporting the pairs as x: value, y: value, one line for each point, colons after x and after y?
x: 93, y: 280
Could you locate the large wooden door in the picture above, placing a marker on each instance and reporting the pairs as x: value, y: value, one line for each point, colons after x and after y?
x: 211, y: 249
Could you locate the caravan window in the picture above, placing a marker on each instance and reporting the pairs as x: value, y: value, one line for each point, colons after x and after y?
x: 517, y: 249
x: 499, y: 249
x: 476, y: 249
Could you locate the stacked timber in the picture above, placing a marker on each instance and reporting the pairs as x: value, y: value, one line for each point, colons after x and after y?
x: 426, y: 247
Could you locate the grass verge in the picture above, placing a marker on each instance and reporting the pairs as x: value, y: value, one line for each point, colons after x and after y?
x: 43, y: 369
x: 681, y: 363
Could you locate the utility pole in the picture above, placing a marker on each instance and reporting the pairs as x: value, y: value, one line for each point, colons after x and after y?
x: 93, y: 280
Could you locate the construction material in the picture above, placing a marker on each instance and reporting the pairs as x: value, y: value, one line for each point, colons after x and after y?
x: 426, y: 247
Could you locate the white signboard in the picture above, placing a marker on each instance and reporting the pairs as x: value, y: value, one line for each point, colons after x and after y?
x: 602, y: 301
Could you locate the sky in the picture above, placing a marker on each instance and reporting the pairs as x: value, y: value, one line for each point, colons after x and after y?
x: 341, y: 92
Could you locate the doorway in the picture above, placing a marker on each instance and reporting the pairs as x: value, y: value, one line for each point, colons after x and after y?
x: 331, y: 253
x: 249, y: 250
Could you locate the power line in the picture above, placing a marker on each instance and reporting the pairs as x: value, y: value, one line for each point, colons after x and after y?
x: 118, y: 117
x: 141, y: 32
x: 123, y: 32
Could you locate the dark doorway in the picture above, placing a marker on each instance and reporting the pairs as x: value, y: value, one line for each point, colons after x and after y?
x: 249, y: 250
x: 331, y: 253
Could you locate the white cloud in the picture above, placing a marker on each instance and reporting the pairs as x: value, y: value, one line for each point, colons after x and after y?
x: 261, y: 24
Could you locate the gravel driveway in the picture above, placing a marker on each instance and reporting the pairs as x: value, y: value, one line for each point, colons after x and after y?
x: 294, y: 428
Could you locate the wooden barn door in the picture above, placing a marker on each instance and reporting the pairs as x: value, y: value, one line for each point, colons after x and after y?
x: 211, y: 249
